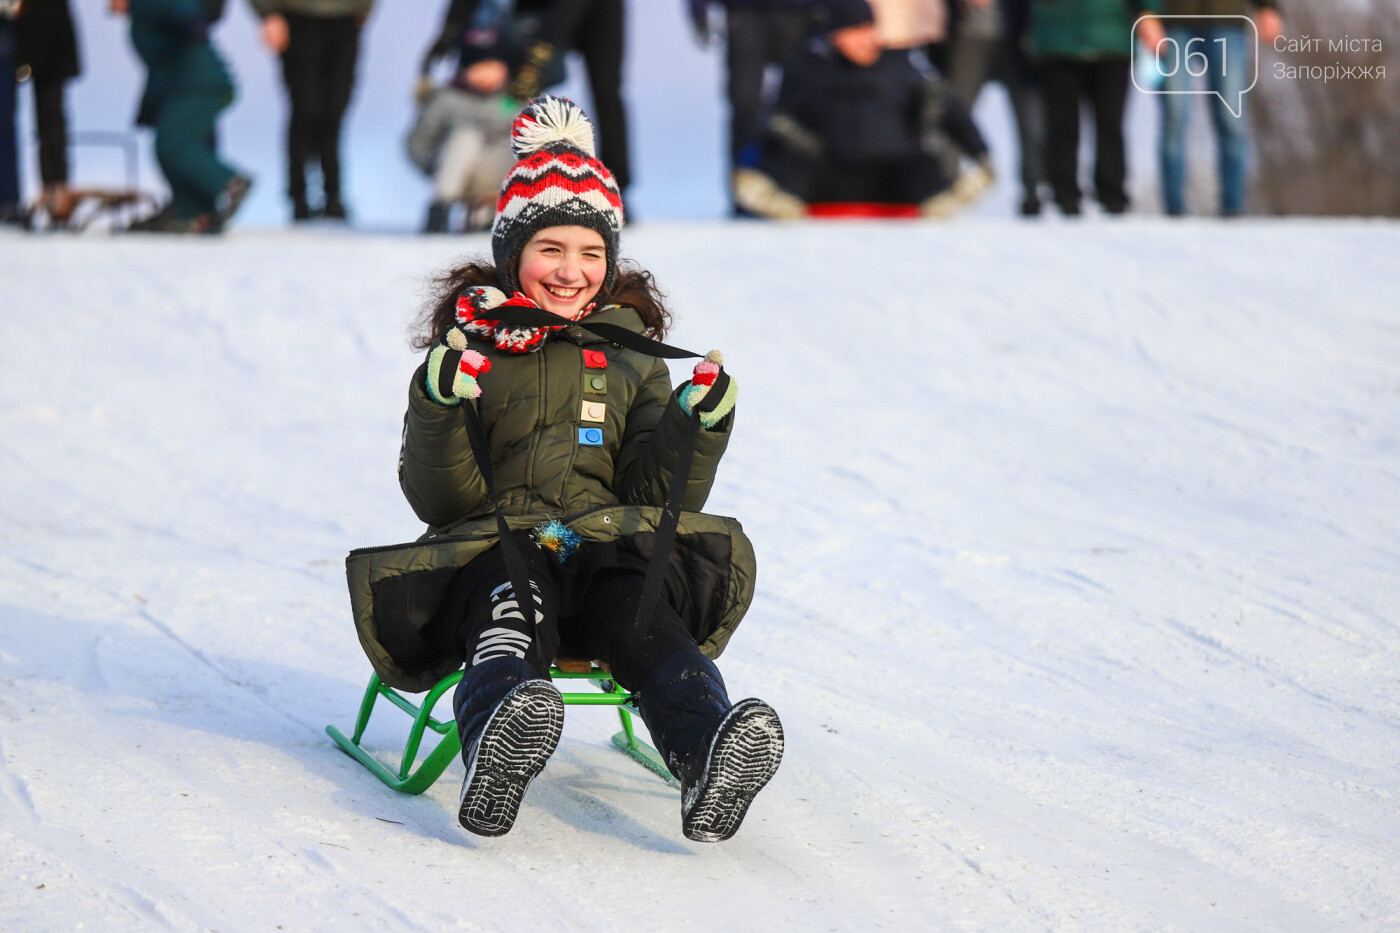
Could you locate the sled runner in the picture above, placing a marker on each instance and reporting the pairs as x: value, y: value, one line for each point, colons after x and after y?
x: 410, y: 780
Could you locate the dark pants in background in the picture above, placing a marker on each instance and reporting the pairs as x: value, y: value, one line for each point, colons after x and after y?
x: 975, y: 61
x: 756, y: 39
x: 598, y: 37
x: 595, y: 29
x: 9, y: 141
x: 318, y: 68
x: 1104, y: 86
x: 188, y: 155
x: 51, y: 120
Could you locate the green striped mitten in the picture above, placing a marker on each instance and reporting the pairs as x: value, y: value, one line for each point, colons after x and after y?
x: 699, y: 386
x: 453, y: 369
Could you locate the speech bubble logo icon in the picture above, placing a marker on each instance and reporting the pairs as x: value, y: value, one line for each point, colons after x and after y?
x: 1199, y: 51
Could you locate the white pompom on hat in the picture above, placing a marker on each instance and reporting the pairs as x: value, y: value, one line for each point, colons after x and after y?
x: 557, y: 182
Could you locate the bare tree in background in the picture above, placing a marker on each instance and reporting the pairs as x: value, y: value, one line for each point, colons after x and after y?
x: 1329, y: 146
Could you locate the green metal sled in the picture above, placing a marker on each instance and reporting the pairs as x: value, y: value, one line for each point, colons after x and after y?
x: 411, y: 780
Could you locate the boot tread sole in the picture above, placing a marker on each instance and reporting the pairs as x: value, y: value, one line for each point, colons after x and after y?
x: 515, y: 744
x: 744, y: 755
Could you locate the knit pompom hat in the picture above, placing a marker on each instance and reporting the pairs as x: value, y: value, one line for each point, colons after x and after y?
x: 557, y: 182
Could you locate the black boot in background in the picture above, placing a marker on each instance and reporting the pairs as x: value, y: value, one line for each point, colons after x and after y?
x: 436, y: 221
x: 510, y: 719
x: 722, y: 754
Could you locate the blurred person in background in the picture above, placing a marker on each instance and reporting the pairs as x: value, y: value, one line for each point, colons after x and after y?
x: 856, y: 123
x: 1083, y: 50
x: 1220, y: 41
x: 760, y: 37
x: 988, y: 45
x: 41, y: 47
x: 318, y: 42
x: 593, y: 28
x: 187, y: 87
x: 461, y: 136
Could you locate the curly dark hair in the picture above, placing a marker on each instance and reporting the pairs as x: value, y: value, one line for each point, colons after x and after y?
x: 634, y: 287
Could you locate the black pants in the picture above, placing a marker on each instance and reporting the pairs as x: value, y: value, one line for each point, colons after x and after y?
x: 51, y: 122
x: 586, y: 608
x: 974, y: 62
x: 9, y: 141
x: 755, y: 40
x: 1104, y: 85
x: 598, y: 37
x: 318, y: 68
x: 594, y: 28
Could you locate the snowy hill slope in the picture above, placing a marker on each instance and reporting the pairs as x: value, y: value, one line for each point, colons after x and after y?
x: 1078, y: 587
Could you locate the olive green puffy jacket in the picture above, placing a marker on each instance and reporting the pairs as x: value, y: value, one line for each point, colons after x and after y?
x: 533, y: 408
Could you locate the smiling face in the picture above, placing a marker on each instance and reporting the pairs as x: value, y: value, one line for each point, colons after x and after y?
x: 562, y: 268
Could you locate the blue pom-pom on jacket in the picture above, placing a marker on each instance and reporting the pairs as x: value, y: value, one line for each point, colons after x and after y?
x: 557, y: 538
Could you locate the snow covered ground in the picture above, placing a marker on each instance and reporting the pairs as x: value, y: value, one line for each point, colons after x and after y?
x: 1079, y: 577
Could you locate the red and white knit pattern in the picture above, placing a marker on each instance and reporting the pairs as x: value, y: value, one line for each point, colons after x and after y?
x: 557, y: 182
x: 473, y: 306
x: 567, y: 182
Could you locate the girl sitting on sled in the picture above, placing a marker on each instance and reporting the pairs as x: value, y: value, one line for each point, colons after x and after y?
x: 553, y: 350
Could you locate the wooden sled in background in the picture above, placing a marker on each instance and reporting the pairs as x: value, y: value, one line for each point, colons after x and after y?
x: 411, y: 779
x: 83, y: 206
x: 77, y: 207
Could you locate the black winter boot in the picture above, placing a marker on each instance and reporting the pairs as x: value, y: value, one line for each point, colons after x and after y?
x: 505, y: 741
x: 482, y: 687
x: 721, y: 777
x: 723, y: 755
x: 682, y: 701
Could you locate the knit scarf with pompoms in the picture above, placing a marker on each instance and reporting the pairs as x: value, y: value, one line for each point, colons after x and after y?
x: 473, y: 305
